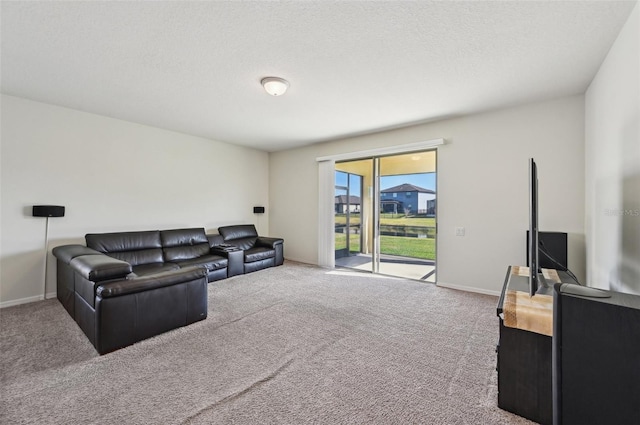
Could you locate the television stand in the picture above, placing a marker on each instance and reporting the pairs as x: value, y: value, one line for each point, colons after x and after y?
x: 524, y: 349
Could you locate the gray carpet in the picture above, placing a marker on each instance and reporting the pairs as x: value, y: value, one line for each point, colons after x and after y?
x: 289, y: 345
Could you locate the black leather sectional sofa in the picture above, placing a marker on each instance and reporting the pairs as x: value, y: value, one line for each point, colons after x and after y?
x: 125, y: 287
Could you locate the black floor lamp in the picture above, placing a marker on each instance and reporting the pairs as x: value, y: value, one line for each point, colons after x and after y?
x: 47, y: 211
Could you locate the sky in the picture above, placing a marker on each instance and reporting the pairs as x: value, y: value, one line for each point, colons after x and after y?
x: 424, y: 180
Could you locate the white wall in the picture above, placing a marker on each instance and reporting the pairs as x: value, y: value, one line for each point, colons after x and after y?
x: 484, y: 163
x: 111, y: 175
x: 612, y: 133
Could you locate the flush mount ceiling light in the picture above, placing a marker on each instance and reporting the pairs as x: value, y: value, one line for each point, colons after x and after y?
x: 275, y: 86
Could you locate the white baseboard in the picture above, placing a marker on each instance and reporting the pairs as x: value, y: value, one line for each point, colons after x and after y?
x: 469, y: 289
x: 11, y: 303
x: 300, y: 261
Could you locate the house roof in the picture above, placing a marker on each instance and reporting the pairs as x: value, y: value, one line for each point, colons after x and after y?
x: 406, y: 187
x: 342, y: 199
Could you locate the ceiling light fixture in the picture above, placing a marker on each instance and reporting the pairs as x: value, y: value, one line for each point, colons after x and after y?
x: 275, y: 86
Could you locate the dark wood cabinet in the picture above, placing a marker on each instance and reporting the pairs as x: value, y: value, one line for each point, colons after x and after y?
x: 524, y: 374
x: 596, y: 351
x: 584, y: 370
x: 524, y: 363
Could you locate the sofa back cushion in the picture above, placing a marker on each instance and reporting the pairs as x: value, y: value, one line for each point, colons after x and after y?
x: 243, y: 235
x: 184, y: 244
x: 241, y: 231
x: 133, y: 247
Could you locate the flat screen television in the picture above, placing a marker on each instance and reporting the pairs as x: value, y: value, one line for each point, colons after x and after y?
x: 537, y: 282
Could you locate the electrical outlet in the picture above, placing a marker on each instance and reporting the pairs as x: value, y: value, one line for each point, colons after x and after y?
x: 459, y: 231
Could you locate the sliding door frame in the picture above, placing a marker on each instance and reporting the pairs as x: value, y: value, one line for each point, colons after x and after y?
x: 375, y: 254
x: 326, y: 188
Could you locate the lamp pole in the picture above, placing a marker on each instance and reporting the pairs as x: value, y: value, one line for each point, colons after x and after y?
x: 46, y: 259
x: 47, y: 211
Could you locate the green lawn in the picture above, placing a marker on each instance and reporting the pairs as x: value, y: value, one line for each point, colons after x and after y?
x: 394, y: 245
x: 389, y: 219
x: 342, y: 219
x: 422, y: 248
x: 341, y: 242
x: 401, y: 220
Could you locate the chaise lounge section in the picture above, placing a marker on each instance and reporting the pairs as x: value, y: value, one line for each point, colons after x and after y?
x: 128, y: 286
x: 125, y: 287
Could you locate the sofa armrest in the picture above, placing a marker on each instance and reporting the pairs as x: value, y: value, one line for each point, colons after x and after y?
x: 276, y: 244
x: 66, y: 253
x: 100, y: 267
x: 268, y: 242
x: 138, y: 284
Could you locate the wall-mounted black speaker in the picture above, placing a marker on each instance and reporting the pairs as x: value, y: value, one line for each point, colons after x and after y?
x: 555, y: 243
x: 48, y: 211
x: 258, y: 210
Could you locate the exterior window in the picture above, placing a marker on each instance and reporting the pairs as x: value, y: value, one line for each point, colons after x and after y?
x: 408, y: 194
x: 395, y: 195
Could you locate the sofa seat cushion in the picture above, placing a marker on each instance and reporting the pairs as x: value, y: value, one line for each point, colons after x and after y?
x: 211, y: 262
x: 153, y: 268
x: 258, y: 253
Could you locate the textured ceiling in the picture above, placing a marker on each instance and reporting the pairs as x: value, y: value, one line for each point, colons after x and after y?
x: 354, y: 67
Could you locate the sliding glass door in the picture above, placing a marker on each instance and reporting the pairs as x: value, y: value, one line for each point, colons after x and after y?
x: 392, y: 230
x: 407, y: 218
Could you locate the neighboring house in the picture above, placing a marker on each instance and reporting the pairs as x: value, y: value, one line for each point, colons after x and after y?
x: 408, y: 199
x: 341, y: 204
